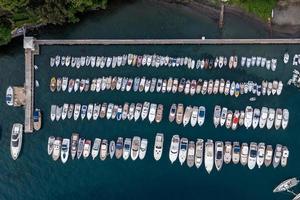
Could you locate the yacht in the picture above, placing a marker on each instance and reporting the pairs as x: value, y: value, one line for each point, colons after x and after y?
x: 261, y: 154
x: 65, y: 148
x: 137, y: 112
x: 229, y: 117
x: 209, y: 155
x: 286, y: 185
x: 219, y: 151
x: 227, y: 88
x: 169, y: 84
x: 285, y: 155
x: 119, y: 113
x: 204, y: 87
x: 159, y: 113
x: 191, y: 154
x: 172, y: 112
x: 103, y: 110
x: 222, y: 86
x: 70, y: 111
x: 183, y: 148
x: 126, y: 148
x: 201, y: 115
x: 64, y: 83
x: 96, y: 111
x: 80, y: 147
x: 158, y: 146
x: 58, y: 113
x: 76, y: 85
x: 10, y: 96
x: 242, y: 118
x: 109, y: 110
x: 83, y: 111
x: 227, y: 152
x: 216, y: 86
x: 125, y: 111
x: 244, y: 154
x: 271, y: 118
x: 103, y: 149
x: 285, y: 118
x: 51, y: 140
x: 268, y: 155
x: 194, y: 116
x: 175, y: 85
x: 263, y: 117
x: 37, y: 119
x: 152, y: 112
x: 131, y: 113
x: 143, y: 148
x: 86, y: 148
x: 187, y: 87
x: 135, y: 147
x: 179, y: 113
x: 235, y: 120
x: 74, y: 144
x: 256, y: 117
x: 223, y: 116
x: 187, y: 115
x: 119, y: 148
x: 96, y: 147
x: 199, y: 152
x: 71, y: 85
x: 53, y: 86
x: 145, y: 110
x: 236, y: 152
x: 174, y: 148
x: 248, y: 116
x: 217, y: 115
x: 64, y: 111
x: 252, y: 155
x: 16, y: 140
x: 278, y: 118
x: 56, y: 148
x: 210, y: 86
x: 277, y: 155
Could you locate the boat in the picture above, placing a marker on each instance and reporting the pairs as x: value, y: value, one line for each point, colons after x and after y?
x: 222, y: 86
x: 71, y: 85
x: 210, y: 86
x: 53, y: 87
x: 142, y: 84
x: 96, y: 111
x: 174, y: 86
x: 86, y: 148
x: 244, y: 154
x: 271, y: 118
x: 131, y: 111
x: 57, y: 60
x: 248, y: 62
x: 169, y: 84
x: 9, y: 98
x: 263, y: 117
x: 181, y: 85
x: 64, y: 111
x: 286, y: 185
x: 187, y: 87
x: 114, y: 111
x: 109, y: 110
x: 37, y: 119
x: 236, y: 152
x: 253, y: 61
x: 58, y: 113
x: 268, y: 155
x: 183, y: 148
x: 201, y: 115
x: 237, y: 90
x: 216, y: 86
x: 242, y: 118
x: 64, y: 84
x: 145, y: 110
x: 227, y: 88
x: 248, y: 117
x: 16, y: 140
x: 65, y: 148
x: 153, y: 84
x: 81, y: 85
x: 199, y: 152
x: 95, y: 148
x: 80, y: 147
x: 74, y: 144
x: 256, y: 117
x: 50, y: 145
x: 193, y: 87
x: 152, y: 112
x: 77, y: 111
x: 232, y: 88
x: 223, y: 116
x: 273, y: 64
x: 119, y: 113
x: 285, y: 155
x: 83, y: 111
x: 143, y: 148
x: 119, y: 148
x: 209, y: 155
x: 112, y: 149
x: 260, y: 154
x: 204, y: 87
x: 227, y: 152
x: 278, y: 118
x: 228, y: 122
x: 56, y: 148
x: 137, y: 112
x: 277, y: 155
x: 258, y: 61
x: 187, y: 115
x: 52, y: 61
x: 174, y: 148
x: 126, y: 148
x: 194, y: 116
x: 217, y: 115
x: 103, y: 149
x: 191, y: 154
x: 285, y: 118
x: 252, y: 155
x: 235, y: 120
x: 76, y: 85
x: 159, y: 113
x: 159, y: 85
x: 158, y: 146
x: 172, y: 112
x: 219, y: 151
x: 179, y: 113
x: 199, y: 86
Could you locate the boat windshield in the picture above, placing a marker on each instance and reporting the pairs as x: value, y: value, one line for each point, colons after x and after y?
x: 127, y: 146
x: 15, y: 143
x: 236, y: 149
x: 253, y: 153
x: 219, y: 155
x: 14, y: 136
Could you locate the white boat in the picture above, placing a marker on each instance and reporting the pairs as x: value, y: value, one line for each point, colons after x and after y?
x: 77, y: 111
x: 236, y: 152
x: 74, y: 144
x: 183, y: 147
x: 56, y: 148
x: 169, y: 84
x: 64, y: 85
x: 119, y: 148
x: 277, y: 155
x: 175, y: 85
x: 152, y: 112
x: 278, y: 118
x: 96, y: 111
x: 16, y: 140
x: 248, y: 117
x: 209, y: 156
x: 194, y: 116
x: 83, y: 111
x: 96, y: 147
x: 201, y: 115
x: 145, y: 110
x: 227, y: 152
x: 137, y: 112
x: 191, y: 154
x: 126, y: 148
x: 271, y: 118
x: 143, y: 148
x: 252, y: 155
x: 53, y: 112
x: 268, y: 155
x: 222, y: 86
x: 256, y: 117
x: 260, y: 154
x: 285, y: 155
x: 109, y: 110
x: 103, y: 149
x: 244, y: 154
x: 179, y: 113
x: 172, y: 112
x: 229, y: 118
x: 217, y: 115
x: 76, y: 85
x: 131, y: 112
x: 50, y: 146
x: 241, y: 118
x: 199, y: 152
x: 216, y: 86
x: 223, y: 116
x: 80, y: 147
x: 285, y: 118
x: 187, y: 115
x: 219, y: 154
x: 58, y: 113
x: 158, y: 146
x: 174, y: 148
x: 86, y: 148
x: 232, y: 88
x: 65, y: 148
x: 64, y: 111
x: 159, y: 113
x: 286, y: 185
x: 135, y: 147
x: 187, y: 87
x: 9, y: 98
x: 210, y: 86
x: 263, y: 117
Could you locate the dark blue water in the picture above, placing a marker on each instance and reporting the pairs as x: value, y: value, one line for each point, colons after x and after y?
x: 36, y: 176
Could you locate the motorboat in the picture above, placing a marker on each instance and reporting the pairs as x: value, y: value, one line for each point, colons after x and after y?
x: 179, y: 113
x: 278, y: 118
x: 199, y: 152
x: 159, y: 113
x: 169, y: 84
x: 187, y: 115
x: 103, y: 110
x: 114, y: 111
x: 152, y: 112
x: 135, y: 147
x: 286, y: 185
x: 70, y: 111
x: 201, y: 115
x: 183, y: 148
x: 263, y: 117
x: 229, y: 118
x: 132, y: 110
x: 16, y: 140
x: 204, y: 87
x: 217, y: 115
x: 241, y: 118
x: 268, y: 155
x: 64, y: 85
x: 96, y: 111
x: 235, y: 120
x: 191, y: 154
x: 109, y: 110
x: 50, y: 146
x: 285, y: 118
x: 96, y: 147
x: 9, y: 98
x: 65, y: 148
x: 158, y: 146
x: 248, y: 117
x: 210, y: 86
x: 271, y: 118
x: 223, y: 116
x: 256, y: 117
x: 126, y: 148
x: 37, y: 119
x: 219, y: 151
x: 103, y: 149
x: 80, y: 147
x: 260, y: 154
x: 172, y: 112
x: 227, y: 152
x: 119, y: 113
x: 285, y: 155
x: 56, y: 148
x: 145, y: 110
x: 194, y: 116
x: 119, y: 148
x: 174, y: 148
x: 52, y: 87
x: 187, y: 87
x: 175, y: 85
x: 209, y: 155
x: 86, y: 148
x: 125, y: 111
x: 74, y: 144
x: 244, y: 154
x: 137, y: 112
x: 277, y: 155
x: 58, y: 113
x: 143, y: 148
x: 252, y: 157
x: 64, y: 111
x: 83, y: 111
